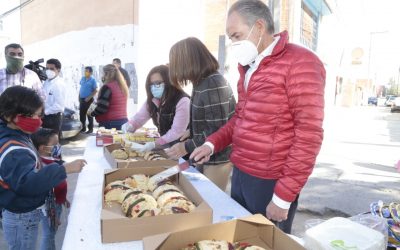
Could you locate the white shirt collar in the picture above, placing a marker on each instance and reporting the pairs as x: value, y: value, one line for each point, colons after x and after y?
x: 265, y: 53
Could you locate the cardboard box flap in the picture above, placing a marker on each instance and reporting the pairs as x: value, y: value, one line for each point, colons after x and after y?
x: 281, y: 241
x: 156, y: 240
x: 255, y: 230
x: 257, y: 219
x: 109, y: 215
x: 107, y: 171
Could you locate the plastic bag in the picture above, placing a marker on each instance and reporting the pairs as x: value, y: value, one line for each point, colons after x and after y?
x: 377, y: 223
x: 344, y: 234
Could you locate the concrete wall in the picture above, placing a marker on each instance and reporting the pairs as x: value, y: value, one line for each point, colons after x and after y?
x: 43, y: 19
x: 95, y: 46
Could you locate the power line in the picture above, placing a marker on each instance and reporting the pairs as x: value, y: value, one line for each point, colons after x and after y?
x: 15, y: 8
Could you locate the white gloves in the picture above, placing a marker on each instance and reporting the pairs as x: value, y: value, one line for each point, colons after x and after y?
x: 127, y: 127
x: 143, y: 148
x: 91, y: 108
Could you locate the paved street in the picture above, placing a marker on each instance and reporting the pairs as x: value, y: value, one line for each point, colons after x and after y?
x: 354, y: 168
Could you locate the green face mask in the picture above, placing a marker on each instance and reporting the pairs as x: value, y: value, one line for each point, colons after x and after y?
x: 14, y: 64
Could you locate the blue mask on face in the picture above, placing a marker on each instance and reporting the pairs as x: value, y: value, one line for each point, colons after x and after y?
x: 56, y: 151
x: 157, y: 90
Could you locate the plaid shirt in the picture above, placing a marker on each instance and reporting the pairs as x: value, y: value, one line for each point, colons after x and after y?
x: 212, y: 105
x: 25, y: 77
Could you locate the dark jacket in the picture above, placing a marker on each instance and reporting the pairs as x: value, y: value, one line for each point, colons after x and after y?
x: 164, y: 117
x: 212, y: 105
x: 24, y: 184
x: 126, y: 76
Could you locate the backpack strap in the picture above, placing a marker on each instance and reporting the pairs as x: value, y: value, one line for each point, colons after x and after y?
x: 5, y: 150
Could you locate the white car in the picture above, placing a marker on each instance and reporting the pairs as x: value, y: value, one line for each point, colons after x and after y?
x: 395, y: 105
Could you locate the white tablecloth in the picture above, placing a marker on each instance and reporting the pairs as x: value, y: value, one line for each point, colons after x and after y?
x: 83, y: 230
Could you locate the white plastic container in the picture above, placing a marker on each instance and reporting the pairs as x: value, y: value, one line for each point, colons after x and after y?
x: 343, y: 234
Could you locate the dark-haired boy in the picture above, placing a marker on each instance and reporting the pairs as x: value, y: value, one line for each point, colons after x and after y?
x: 47, y: 144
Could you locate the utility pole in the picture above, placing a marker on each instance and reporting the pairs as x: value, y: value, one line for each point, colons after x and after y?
x: 398, y: 83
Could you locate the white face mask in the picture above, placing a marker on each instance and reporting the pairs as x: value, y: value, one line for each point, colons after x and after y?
x: 245, y: 51
x: 50, y: 74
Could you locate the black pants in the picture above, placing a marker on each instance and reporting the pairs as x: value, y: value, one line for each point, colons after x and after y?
x: 254, y: 194
x: 53, y: 121
x: 83, y: 108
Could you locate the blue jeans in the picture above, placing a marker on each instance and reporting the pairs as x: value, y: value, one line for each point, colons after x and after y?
x: 113, y: 124
x: 21, y: 230
x: 48, y: 234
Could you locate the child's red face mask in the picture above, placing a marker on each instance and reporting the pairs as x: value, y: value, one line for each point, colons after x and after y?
x: 28, y: 124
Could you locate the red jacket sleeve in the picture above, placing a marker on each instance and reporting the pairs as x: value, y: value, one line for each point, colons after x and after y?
x: 223, y: 137
x: 305, y: 90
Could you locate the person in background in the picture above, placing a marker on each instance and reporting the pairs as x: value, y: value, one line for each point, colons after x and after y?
x: 48, y: 146
x: 167, y: 105
x: 110, y: 111
x: 54, y: 90
x: 15, y: 73
x: 276, y: 132
x: 25, y: 184
x: 86, y: 93
x: 212, y: 104
x: 117, y: 63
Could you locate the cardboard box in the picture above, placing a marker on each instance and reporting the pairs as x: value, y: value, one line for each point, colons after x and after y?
x: 102, y: 140
x: 255, y: 230
x: 116, y: 227
x: 137, y: 162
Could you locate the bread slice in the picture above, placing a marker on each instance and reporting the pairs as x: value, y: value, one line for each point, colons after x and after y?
x: 164, y: 189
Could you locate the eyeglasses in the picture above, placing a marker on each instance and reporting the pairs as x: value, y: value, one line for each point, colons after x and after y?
x: 157, y: 84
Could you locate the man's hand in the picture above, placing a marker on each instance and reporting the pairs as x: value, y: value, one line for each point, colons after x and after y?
x: 203, y: 152
x: 74, y: 166
x: 276, y: 213
x: 177, y: 151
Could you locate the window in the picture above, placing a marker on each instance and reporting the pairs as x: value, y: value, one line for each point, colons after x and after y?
x: 309, y: 27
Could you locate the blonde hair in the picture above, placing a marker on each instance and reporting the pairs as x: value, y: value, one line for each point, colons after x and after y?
x: 112, y: 73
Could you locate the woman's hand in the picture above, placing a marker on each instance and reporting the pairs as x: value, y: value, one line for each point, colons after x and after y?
x: 177, y: 151
x: 185, y: 135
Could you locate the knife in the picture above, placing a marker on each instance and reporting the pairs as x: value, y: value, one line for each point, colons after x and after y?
x: 172, y: 171
x: 167, y: 145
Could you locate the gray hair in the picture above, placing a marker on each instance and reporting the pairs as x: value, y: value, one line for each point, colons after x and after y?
x: 253, y: 10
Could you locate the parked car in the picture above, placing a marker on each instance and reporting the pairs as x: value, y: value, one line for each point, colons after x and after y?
x: 389, y: 100
x: 395, y: 105
x: 373, y: 100
x: 71, y: 125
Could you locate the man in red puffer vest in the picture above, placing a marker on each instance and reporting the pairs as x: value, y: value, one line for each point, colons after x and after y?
x: 276, y: 132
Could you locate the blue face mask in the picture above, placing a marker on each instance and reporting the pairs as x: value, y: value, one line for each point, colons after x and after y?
x: 157, y: 90
x: 56, y: 151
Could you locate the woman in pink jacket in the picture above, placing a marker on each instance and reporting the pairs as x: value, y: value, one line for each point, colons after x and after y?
x: 167, y: 105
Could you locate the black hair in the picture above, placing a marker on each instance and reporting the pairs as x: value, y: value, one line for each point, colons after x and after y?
x: 42, y: 137
x: 88, y: 68
x: 171, y: 92
x: 55, y: 62
x: 14, y: 46
x: 117, y: 60
x: 19, y: 100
